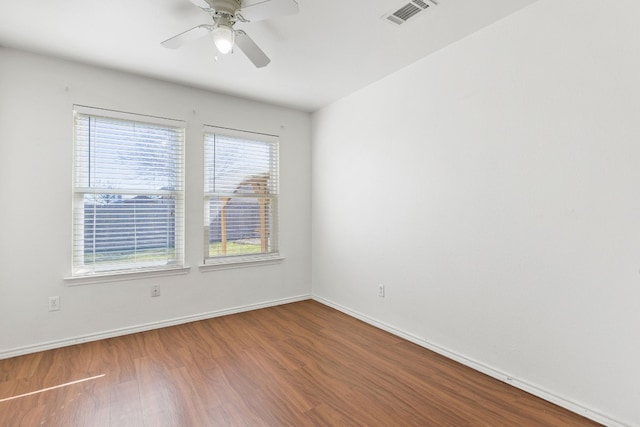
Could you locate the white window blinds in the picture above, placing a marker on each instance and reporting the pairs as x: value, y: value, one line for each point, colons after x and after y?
x: 128, y: 211
x: 241, y: 195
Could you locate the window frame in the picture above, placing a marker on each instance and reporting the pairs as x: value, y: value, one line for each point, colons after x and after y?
x: 249, y: 259
x: 80, y: 270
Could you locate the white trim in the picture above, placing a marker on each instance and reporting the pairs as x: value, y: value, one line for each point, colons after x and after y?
x: 118, y: 276
x: 480, y: 367
x: 225, y: 263
x: 124, y: 115
x: 523, y: 385
x: 238, y: 133
x: 147, y: 327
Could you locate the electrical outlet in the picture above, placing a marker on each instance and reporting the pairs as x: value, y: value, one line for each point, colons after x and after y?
x: 381, y: 290
x: 155, y: 291
x: 54, y: 303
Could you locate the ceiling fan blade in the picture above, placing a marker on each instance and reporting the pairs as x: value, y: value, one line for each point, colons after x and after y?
x: 267, y: 9
x: 189, y: 35
x: 202, y: 4
x: 251, y: 50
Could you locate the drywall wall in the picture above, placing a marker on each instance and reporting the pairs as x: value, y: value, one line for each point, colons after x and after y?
x: 493, y: 188
x: 36, y: 98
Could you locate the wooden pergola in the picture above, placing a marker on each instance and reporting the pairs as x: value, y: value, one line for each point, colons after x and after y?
x: 259, y: 185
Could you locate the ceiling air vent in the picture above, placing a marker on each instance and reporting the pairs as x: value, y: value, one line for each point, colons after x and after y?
x: 406, y: 12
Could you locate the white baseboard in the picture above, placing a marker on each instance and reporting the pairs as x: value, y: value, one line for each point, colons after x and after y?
x: 145, y: 327
x: 523, y: 385
x: 487, y: 370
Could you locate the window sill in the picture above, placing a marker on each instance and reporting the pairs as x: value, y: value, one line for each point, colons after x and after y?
x: 240, y: 262
x: 124, y: 275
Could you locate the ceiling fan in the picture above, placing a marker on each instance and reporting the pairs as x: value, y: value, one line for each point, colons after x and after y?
x: 225, y: 13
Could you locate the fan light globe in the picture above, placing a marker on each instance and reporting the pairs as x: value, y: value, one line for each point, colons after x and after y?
x: 223, y: 38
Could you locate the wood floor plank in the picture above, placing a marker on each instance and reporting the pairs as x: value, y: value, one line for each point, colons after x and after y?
x: 125, y: 406
x: 301, y: 364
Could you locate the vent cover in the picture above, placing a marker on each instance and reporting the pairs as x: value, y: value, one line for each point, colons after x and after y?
x: 406, y: 12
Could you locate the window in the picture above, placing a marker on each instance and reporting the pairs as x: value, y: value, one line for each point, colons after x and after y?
x: 241, y: 196
x: 128, y: 204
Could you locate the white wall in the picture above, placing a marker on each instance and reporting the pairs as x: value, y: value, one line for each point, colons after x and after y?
x: 493, y: 188
x: 36, y: 98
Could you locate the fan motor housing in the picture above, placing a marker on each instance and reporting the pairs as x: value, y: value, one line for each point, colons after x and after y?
x: 225, y: 6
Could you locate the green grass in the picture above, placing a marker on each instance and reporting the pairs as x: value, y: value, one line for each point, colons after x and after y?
x: 126, y: 257
x: 234, y: 248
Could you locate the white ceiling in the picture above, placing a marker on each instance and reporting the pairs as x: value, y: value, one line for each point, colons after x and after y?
x: 328, y: 50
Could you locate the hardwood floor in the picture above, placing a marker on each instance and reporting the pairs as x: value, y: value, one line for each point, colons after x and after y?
x: 300, y: 364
